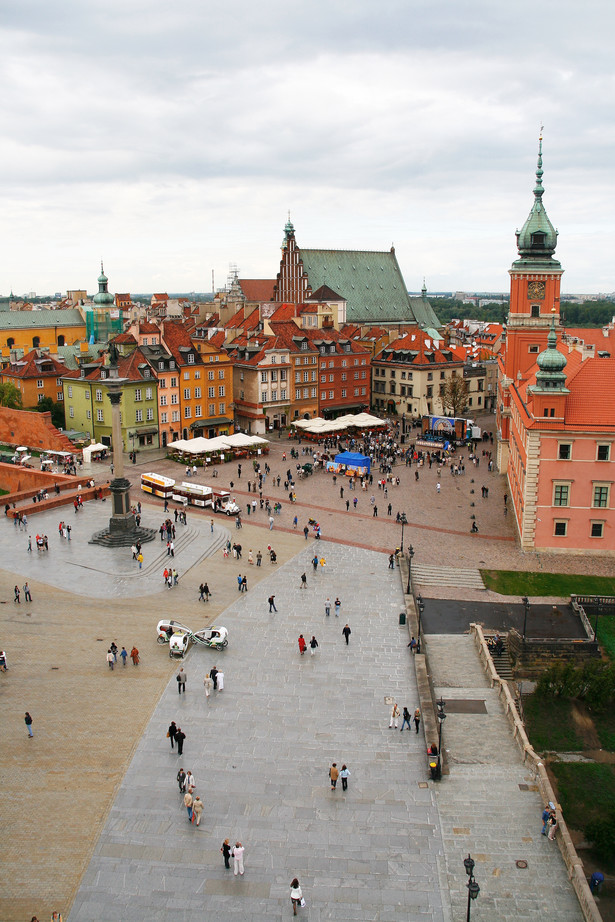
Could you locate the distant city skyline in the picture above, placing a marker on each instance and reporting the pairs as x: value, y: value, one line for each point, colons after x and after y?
x: 171, y: 141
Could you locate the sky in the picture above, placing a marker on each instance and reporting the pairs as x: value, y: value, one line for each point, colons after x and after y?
x: 171, y: 140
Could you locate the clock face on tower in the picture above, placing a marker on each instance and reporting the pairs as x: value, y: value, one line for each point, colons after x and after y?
x: 536, y: 290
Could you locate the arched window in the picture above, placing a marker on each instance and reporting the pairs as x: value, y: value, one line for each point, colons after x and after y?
x: 36, y: 341
x: 10, y: 342
x: 61, y: 340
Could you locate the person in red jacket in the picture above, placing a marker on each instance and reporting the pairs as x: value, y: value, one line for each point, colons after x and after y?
x: 302, y: 644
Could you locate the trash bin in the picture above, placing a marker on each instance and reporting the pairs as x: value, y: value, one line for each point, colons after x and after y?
x: 402, y: 617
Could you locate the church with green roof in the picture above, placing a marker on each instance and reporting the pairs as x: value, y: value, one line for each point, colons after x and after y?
x: 369, y: 281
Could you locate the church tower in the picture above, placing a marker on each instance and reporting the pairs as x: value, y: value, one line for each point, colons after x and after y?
x: 535, y: 279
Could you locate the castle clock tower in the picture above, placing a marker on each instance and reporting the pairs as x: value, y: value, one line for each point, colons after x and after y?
x: 534, y: 303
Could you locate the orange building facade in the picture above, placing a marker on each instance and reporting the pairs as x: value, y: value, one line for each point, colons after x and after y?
x: 555, y: 409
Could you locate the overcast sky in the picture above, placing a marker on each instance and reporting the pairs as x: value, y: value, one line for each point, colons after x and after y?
x: 172, y: 138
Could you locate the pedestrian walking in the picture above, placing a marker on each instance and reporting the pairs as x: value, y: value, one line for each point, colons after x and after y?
x: 406, y: 720
x: 214, y: 676
x: 180, y: 736
x: 110, y: 659
x: 238, y: 851
x: 190, y: 782
x: 296, y: 895
x: 209, y: 684
x: 197, y: 810
x: 17, y: 594
x: 181, y: 681
x: 124, y: 655
x: 313, y: 645
x: 188, y: 801
x: 171, y: 733
x: 303, y: 581
x: 334, y: 775
x: 395, y: 712
x: 259, y: 558
x: 302, y: 644
x: 327, y: 607
x: 417, y: 719
x: 134, y: 655
x: 226, y: 853
x: 344, y: 773
x: 546, y: 813
x: 552, y: 825
x: 272, y: 603
x: 338, y: 605
x: 113, y: 649
x: 140, y: 560
x: 220, y: 680
x: 346, y: 632
x: 306, y: 532
x: 26, y: 593
x: 391, y: 561
x: 28, y: 722
x: 270, y: 522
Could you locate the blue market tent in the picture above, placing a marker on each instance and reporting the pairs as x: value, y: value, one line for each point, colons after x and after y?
x: 352, y: 460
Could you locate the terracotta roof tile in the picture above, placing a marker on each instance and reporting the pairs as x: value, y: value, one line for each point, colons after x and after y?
x: 257, y: 289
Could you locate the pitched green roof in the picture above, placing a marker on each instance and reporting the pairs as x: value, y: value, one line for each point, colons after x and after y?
x: 370, y: 282
x: 69, y: 317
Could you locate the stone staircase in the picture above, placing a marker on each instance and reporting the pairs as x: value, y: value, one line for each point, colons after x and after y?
x: 464, y: 578
x: 186, y: 538
x: 502, y: 662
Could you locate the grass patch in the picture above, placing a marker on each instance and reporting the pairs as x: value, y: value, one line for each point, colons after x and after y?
x: 586, y: 791
x: 511, y: 582
x: 605, y: 728
x: 606, y: 633
x: 549, y: 724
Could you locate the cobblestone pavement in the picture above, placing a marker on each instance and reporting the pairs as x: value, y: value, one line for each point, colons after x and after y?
x: 89, y: 721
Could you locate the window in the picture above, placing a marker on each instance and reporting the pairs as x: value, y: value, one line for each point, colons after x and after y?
x: 343, y: 392
x: 197, y: 393
x: 297, y: 377
x: 274, y: 395
x: 59, y: 382
x: 313, y: 392
x: 145, y: 341
x: 160, y: 366
x: 137, y: 393
x: 197, y: 375
x: 306, y: 393
x: 87, y: 395
x: 356, y: 391
x: 163, y: 417
x: 298, y: 394
x: 191, y: 358
x: 148, y: 393
x: 430, y: 391
x: 283, y: 374
x: 430, y: 375
x: 221, y: 391
x: 601, y: 496
x: 210, y: 375
x: 264, y: 377
x: 560, y: 529
x: 100, y: 416
x: 344, y: 363
x: 330, y: 379
x: 283, y: 393
x: 60, y: 396
x: 564, y: 451
x: 561, y: 494
x: 174, y: 399
x: 356, y: 375
x: 603, y: 453
x: 597, y: 530
x: 139, y: 416
x: 197, y: 410
x: 343, y: 376
x: 274, y: 374
x: 71, y: 412
x: 173, y: 382
x: 442, y: 376
x: 314, y: 376
x: 41, y: 397
x: 175, y: 416
x: 264, y: 397
x: 331, y: 364
x: 212, y: 409
x: 187, y: 412
x: 70, y: 391
x: 535, y: 310
x: 331, y: 395
x: 211, y: 392
x: 186, y: 393
x: 186, y: 376
x: 162, y: 382
x: 323, y: 395
x: 533, y: 349
x: 323, y: 379
x: 149, y: 414
x: 163, y: 400
x: 222, y: 409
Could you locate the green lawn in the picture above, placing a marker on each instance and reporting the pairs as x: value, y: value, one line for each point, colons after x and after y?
x: 549, y: 724
x: 586, y: 791
x: 511, y: 582
x: 606, y: 633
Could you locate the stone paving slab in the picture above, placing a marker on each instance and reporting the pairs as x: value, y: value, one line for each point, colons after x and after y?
x: 260, y: 751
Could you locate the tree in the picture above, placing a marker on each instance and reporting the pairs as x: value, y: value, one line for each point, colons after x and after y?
x: 10, y: 396
x: 455, y: 396
x: 56, y: 410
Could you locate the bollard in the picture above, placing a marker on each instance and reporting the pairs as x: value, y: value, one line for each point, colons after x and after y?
x: 433, y: 769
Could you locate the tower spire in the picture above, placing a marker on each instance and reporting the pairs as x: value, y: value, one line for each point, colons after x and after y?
x: 537, y: 239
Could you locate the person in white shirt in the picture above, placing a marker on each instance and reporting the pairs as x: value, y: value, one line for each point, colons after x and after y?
x: 237, y: 853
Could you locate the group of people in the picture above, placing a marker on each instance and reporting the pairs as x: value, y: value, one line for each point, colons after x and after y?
x: 170, y: 577
x: 113, y: 653
x: 549, y: 821
x: 396, y: 714
x: 335, y: 773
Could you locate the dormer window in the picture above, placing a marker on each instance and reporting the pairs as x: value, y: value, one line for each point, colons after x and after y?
x: 538, y: 240
x: 304, y: 345
x: 191, y: 358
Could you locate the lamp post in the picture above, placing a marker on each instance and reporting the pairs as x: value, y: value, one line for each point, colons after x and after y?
x: 410, y: 556
x: 441, y: 718
x: 404, y: 521
x: 473, y: 888
x: 421, y: 607
x: 526, y: 604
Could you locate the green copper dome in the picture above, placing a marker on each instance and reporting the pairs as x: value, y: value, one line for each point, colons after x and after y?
x: 551, y: 364
x: 537, y: 238
x: 103, y: 296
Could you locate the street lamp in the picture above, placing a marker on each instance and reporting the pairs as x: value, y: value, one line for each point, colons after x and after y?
x: 410, y: 556
x: 473, y: 888
x: 441, y: 718
x: 526, y: 604
x: 421, y: 607
x: 404, y: 521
